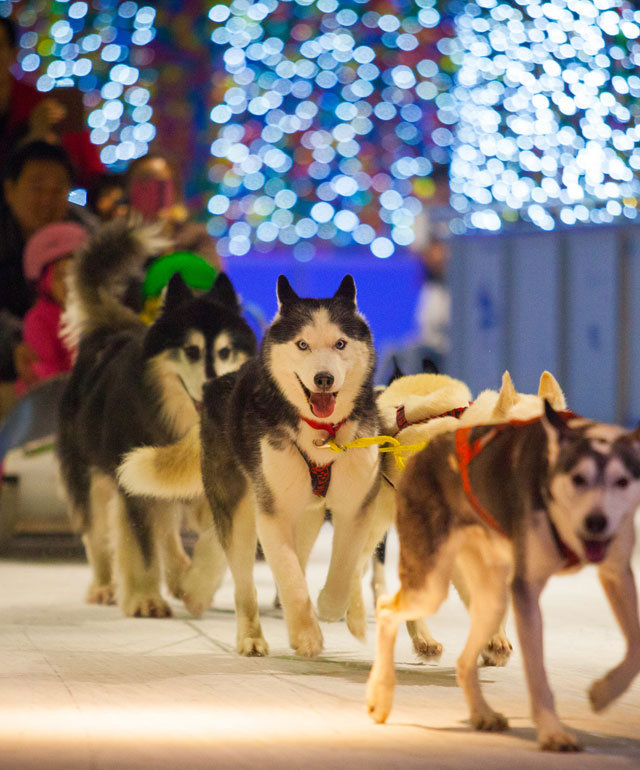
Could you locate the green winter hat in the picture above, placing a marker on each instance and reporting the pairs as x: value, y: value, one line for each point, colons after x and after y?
x: 196, y: 272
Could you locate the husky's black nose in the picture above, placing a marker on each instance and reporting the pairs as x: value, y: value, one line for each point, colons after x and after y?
x: 323, y: 380
x: 595, y: 523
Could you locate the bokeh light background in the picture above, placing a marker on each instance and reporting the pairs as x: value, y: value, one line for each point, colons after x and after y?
x: 306, y: 123
x: 102, y: 49
x: 328, y: 119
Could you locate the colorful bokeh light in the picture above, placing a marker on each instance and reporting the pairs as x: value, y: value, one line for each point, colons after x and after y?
x: 547, y: 113
x: 328, y: 119
x: 100, y: 48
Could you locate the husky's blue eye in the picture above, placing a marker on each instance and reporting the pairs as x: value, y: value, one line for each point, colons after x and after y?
x: 302, y: 345
x: 192, y: 352
x: 341, y: 344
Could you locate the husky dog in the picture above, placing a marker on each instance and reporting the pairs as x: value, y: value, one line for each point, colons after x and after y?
x: 263, y: 459
x: 134, y: 384
x: 416, y: 409
x: 515, y: 504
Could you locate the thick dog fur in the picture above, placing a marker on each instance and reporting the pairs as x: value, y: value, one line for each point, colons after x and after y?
x: 554, y: 485
x: 426, y: 400
x: 316, y: 364
x: 134, y: 384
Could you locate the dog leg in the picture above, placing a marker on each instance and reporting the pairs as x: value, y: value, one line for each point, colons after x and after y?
x: 136, y: 560
x: 98, y: 542
x: 240, y: 550
x: 390, y: 612
x: 620, y: 588
x: 278, y: 540
x: 552, y: 735
x: 206, y: 572
x: 307, y: 530
x: 174, y: 559
x: 498, y: 649
x: 488, y: 600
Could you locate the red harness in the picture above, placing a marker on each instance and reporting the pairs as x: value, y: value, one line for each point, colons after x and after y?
x: 321, y: 474
x: 467, y: 450
x: 402, y: 422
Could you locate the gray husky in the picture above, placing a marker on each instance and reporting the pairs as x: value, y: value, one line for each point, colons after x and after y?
x: 134, y: 384
x: 514, y: 504
x: 263, y: 460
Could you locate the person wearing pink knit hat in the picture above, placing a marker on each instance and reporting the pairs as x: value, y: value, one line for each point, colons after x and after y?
x: 46, y: 261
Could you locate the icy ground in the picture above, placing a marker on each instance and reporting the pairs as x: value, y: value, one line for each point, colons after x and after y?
x: 82, y: 688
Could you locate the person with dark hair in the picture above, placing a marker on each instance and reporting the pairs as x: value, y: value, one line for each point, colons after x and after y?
x: 37, y: 181
x: 27, y: 115
x: 152, y: 190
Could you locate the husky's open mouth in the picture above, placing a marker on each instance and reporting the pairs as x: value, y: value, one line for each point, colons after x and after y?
x: 595, y: 550
x: 321, y: 403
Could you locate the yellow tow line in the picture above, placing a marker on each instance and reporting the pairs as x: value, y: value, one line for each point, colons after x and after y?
x: 385, y: 444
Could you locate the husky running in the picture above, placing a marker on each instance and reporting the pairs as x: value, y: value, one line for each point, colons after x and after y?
x: 264, y: 463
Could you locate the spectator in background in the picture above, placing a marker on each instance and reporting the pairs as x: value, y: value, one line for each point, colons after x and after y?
x: 27, y: 115
x: 152, y: 191
x: 47, y: 259
x: 432, y: 243
x: 106, y: 197
x: 38, y: 178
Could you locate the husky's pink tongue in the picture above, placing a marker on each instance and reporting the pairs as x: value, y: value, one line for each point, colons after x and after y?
x: 322, y: 404
x: 595, y: 550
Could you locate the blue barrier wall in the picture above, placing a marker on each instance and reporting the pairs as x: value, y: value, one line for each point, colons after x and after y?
x: 564, y: 301
x: 387, y: 289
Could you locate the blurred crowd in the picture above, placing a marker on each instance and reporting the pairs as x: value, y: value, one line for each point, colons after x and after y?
x: 45, y: 153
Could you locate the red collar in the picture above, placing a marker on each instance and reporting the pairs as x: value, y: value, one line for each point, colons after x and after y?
x: 330, y: 427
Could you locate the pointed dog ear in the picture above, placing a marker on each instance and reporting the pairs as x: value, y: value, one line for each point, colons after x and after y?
x: 177, y: 291
x: 347, y: 290
x: 507, y: 398
x: 286, y: 295
x: 549, y: 389
x: 223, y: 293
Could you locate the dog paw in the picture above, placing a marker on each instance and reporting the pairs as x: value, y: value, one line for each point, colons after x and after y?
x: 558, y: 740
x: 489, y: 720
x: 600, y: 694
x: 497, y: 652
x: 151, y: 606
x: 101, y: 595
x: 197, y: 593
x: 329, y: 610
x: 253, y: 647
x: 356, y: 618
x: 379, y: 698
x: 427, y: 648
x: 307, y: 641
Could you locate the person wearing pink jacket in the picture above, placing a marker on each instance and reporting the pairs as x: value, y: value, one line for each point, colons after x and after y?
x: 46, y: 261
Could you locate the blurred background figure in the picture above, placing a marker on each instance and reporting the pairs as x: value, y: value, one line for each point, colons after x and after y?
x: 36, y: 185
x: 27, y: 114
x: 153, y: 191
x: 433, y: 234
x: 47, y: 260
x: 106, y: 197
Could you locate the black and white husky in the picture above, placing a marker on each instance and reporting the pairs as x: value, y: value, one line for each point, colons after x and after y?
x: 512, y: 504
x: 134, y: 384
x: 264, y: 463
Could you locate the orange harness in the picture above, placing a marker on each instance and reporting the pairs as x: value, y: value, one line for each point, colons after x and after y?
x: 467, y: 450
